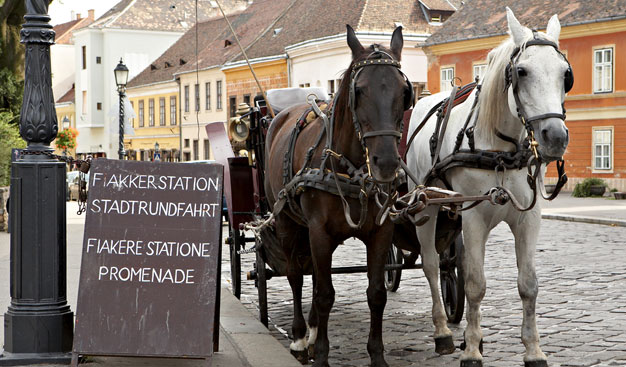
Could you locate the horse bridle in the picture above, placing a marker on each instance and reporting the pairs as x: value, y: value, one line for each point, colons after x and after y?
x: 512, y: 80
x: 354, y: 74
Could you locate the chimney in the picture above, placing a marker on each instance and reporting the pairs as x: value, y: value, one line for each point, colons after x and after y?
x: 78, y: 16
x: 90, y: 14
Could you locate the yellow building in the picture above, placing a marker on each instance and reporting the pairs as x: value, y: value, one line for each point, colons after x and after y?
x: 156, y: 122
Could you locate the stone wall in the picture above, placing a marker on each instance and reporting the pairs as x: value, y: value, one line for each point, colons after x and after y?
x: 4, y: 195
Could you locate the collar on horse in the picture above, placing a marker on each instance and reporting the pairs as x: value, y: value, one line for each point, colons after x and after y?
x: 357, y: 182
x: 525, y: 154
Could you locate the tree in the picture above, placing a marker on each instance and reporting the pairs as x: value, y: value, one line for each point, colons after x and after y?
x: 11, y: 51
x: 9, y: 138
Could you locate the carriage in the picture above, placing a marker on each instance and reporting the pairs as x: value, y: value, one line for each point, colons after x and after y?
x: 247, y: 202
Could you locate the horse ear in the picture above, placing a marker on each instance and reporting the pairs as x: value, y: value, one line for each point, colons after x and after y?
x: 397, y: 42
x: 554, y: 28
x: 516, y: 30
x: 353, y: 42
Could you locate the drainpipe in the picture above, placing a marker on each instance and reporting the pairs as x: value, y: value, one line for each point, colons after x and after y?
x: 180, y: 122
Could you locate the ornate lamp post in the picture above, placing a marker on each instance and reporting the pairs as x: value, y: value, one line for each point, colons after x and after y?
x: 157, y: 152
x: 121, y: 78
x: 66, y: 125
x: 38, y: 325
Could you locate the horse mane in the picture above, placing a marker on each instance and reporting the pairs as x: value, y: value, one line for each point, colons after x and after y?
x: 493, y: 103
x: 343, y: 92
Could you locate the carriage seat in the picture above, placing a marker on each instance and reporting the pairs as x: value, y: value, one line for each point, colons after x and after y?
x: 282, y: 98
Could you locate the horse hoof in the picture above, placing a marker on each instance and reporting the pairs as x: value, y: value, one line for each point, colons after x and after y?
x: 444, y: 345
x: 471, y: 363
x: 540, y: 363
x: 301, y: 355
x: 480, y: 346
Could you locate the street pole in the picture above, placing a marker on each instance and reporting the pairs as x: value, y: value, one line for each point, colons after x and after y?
x: 38, y: 325
x: 121, y: 151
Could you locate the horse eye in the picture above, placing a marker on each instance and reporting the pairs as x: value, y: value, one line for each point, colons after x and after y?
x: 568, y: 73
x: 521, y: 71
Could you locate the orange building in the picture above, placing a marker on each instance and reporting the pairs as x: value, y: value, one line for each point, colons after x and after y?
x: 593, y: 37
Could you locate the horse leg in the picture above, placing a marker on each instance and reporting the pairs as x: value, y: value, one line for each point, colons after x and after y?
x: 298, y: 327
x: 323, y: 293
x: 474, y: 237
x: 313, y: 323
x: 444, y: 343
x: 377, y: 250
x: 526, y: 232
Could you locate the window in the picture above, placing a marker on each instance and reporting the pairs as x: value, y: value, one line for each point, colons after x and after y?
x: 479, y: 71
x: 447, y: 75
x: 141, y: 120
x: 197, y: 95
x: 187, y: 156
x: 207, y: 96
x: 207, y: 149
x: 305, y: 85
x: 173, y: 110
x: 84, y: 49
x: 603, y: 70
x: 195, y: 150
x: 186, y: 98
x: 84, y: 102
x: 162, y: 111
x: 331, y: 87
x: 186, y: 143
x: 132, y: 120
x: 246, y: 99
x: 232, y: 104
x: 151, y: 112
x: 603, y: 148
x: 98, y: 60
x: 218, y: 92
x: 99, y: 106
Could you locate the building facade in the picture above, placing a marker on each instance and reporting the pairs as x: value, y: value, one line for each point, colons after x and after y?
x: 593, y: 37
x: 137, y: 32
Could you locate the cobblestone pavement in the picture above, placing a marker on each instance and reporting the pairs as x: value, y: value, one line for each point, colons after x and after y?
x: 581, y: 306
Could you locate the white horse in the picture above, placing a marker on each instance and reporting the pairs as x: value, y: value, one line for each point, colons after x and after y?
x: 542, y: 76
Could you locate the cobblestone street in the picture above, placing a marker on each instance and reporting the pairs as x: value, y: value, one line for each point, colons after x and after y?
x: 581, y: 305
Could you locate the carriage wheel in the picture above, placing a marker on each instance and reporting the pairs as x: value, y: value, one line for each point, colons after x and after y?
x: 392, y: 277
x: 236, y: 239
x: 452, y: 283
x: 261, y: 284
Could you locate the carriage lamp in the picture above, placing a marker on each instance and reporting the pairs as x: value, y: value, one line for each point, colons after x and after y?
x: 239, y: 127
x: 66, y: 123
x: 121, y: 78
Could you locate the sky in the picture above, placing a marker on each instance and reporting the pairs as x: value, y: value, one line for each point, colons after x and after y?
x: 61, y: 10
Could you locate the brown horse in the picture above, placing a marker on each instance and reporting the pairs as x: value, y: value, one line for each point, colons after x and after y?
x: 315, y: 222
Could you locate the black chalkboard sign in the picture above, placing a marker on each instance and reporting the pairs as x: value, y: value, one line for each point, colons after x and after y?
x: 149, y: 279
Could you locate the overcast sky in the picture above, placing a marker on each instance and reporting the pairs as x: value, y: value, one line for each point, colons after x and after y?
x: 61, y: 10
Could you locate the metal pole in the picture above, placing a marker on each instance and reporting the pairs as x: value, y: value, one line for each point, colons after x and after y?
x: 121, y: 151
x: 38, y: 325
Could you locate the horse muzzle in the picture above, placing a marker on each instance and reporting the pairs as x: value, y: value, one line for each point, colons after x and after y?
x: 553, y: 140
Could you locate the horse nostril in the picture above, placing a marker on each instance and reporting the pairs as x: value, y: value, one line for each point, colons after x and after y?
x: 375, y: 159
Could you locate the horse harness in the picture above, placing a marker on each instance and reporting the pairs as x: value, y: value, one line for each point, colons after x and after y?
x: 356, y: 182
x: 525, y: 154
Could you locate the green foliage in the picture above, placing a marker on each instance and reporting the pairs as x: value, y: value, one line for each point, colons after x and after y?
x: 9, y: 138
x: 583, y: 189
x: 11, y: 92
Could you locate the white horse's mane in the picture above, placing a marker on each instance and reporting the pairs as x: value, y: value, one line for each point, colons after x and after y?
x: 493, y: 103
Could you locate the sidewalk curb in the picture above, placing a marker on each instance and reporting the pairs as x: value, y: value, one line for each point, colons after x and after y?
x: 583, y: 219
x: 251, y: 339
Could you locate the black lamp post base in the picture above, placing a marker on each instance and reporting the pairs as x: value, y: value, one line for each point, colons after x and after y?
x: 33, y: 335
x: 22, y: 359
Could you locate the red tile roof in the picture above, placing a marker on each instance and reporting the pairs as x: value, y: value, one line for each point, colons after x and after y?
x: 485, y: 18
x: 67, y: 97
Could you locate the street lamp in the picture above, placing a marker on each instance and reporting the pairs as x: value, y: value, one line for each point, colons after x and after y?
x: 157, y: 152
x: 121, y: 78
x: 66, y: 123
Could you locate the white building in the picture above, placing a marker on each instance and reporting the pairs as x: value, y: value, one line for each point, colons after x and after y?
x: 136, y: 31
